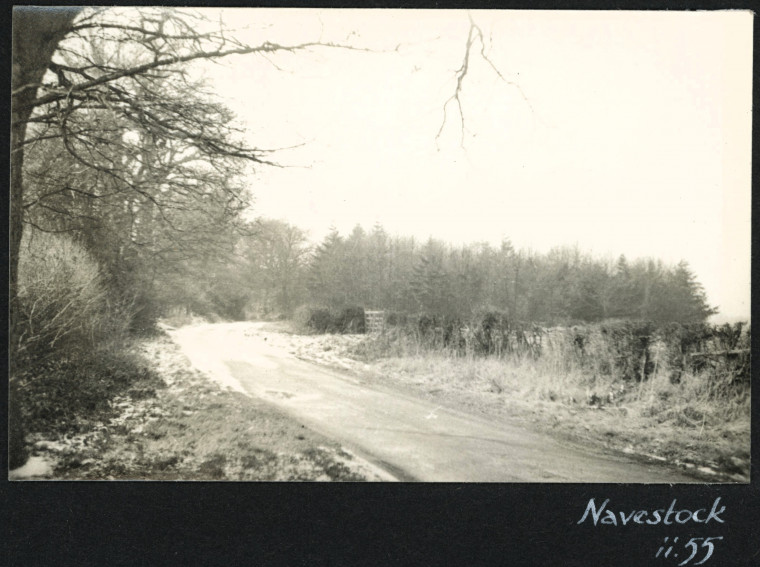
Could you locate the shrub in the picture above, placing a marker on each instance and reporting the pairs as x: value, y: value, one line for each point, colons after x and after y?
x: 63, y: 313
x: 491, y: 330
x: 62, y: 304
x: 350, y: 320
x: 629, y: 343
x: 313, y: 319
x: 178, y: 317
x: 301, y: 316
x: 322, y: 320
x: 396, y: 319
x: 625, y: 350
x: 145, y: 314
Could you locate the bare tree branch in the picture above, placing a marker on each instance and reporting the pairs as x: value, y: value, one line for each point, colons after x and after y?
x: 474, y: 34
x: 266, y: 47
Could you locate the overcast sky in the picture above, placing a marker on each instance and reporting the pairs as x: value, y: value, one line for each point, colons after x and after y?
x: 621, y: 132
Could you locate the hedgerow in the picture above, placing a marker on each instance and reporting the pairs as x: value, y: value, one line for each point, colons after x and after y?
x: 323, y: 320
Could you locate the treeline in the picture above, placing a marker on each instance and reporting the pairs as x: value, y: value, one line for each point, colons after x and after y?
x: 375, y: 270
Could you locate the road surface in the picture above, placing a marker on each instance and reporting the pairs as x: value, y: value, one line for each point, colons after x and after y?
x: 410, y: 438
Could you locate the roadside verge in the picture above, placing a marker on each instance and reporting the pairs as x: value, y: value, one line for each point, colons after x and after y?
x: 183, y: 426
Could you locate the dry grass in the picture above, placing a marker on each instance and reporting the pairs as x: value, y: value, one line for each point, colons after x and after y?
x: 701, y: 422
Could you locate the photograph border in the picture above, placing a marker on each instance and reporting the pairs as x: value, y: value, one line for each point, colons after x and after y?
x: 230, y: 523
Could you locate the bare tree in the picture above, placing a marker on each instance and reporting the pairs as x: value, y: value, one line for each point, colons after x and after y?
x: 275, y: 261
x: 82, y: 77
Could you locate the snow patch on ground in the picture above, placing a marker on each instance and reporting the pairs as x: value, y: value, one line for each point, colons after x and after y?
x: 253, y: 345
x: 327, y: 350
x: 35, y: 467
x: 194, y: 343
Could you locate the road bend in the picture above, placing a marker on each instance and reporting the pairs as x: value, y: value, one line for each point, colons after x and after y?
x: 409, y: 438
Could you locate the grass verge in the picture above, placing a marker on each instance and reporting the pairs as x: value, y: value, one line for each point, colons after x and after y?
x: 161, y: 420
x: 700, y: 424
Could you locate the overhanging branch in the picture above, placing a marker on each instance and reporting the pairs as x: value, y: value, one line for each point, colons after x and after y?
x: 266, y: 47
x: 474, y: 34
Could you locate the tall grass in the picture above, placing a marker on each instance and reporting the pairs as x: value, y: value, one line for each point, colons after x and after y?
x: 618, y: 364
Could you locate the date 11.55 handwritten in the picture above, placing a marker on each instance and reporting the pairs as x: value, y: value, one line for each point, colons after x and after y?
x: 692, y: 547
x: 680, y: 550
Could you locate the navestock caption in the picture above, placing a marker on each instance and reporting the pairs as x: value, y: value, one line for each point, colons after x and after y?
x: 603, y: 516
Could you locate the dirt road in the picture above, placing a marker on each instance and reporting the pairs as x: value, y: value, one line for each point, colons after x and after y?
x: 412, y: 439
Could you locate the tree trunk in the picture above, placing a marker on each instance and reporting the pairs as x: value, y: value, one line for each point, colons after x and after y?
x: 36, y: 33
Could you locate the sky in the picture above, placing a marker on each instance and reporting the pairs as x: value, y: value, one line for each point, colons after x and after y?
x: 617, y: 132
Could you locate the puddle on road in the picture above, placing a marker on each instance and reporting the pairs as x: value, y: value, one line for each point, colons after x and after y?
x: 278, y: 394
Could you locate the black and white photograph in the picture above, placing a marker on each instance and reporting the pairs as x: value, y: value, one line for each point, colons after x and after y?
x: 380, y: 245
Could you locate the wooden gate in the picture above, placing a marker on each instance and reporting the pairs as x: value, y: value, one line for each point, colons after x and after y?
x: 374, y: 321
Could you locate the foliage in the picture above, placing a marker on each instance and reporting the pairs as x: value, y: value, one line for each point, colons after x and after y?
x: 63, y: 304
x: 63, y: 363
x: 144, y: 169
x: 560, y: 287
x: 328, y: 272
x: 115, y: 140
x: 629, y: 351
x: 350, y: 320
x: 270, y: 263
x: 322, y: 320
x: 702, y: 419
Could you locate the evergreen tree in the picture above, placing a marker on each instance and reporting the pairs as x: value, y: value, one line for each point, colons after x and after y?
x: 430, y: 283
x: 689, y: 298
x: 326, y: 281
